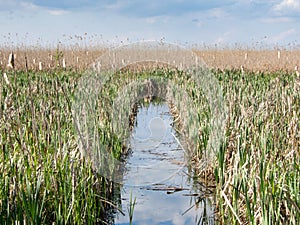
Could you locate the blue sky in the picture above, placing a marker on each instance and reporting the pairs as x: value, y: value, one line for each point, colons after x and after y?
x: 210, y: 22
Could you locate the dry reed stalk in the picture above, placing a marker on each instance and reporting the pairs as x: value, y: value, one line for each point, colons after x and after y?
x: 77, y: 59
x: 249, y: 59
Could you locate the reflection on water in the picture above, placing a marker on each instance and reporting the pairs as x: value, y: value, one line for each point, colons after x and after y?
x: 156, y: 175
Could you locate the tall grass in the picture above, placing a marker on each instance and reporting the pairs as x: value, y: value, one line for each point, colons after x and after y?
x: 44, y: 179
x: 258, y: 169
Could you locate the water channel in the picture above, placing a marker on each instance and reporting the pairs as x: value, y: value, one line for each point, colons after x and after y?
x: 157, y: 177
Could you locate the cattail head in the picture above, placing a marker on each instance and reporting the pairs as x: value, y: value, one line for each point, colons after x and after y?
x: 40, y: 66
x: 64, y: 63
x: 11, y: 61
x: 6, y: 79
x: 242, y: 69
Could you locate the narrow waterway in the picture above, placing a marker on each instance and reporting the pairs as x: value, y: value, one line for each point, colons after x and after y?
x: 156, y: 177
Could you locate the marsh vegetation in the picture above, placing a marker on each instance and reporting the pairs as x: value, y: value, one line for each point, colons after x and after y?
x: 46, y: 180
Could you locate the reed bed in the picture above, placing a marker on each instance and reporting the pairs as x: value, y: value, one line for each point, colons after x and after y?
x: 79, y: 58
x: 46, y: 179
x: 258, y: 169
x: 44, y: 59
x: 264, y: 60
x: 256, y: 173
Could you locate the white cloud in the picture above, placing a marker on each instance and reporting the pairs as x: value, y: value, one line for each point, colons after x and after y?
x: 156, y: 19
x: 287, y: 6
x: 118, y: 5
x: 29, y: 6
x: 282, y: 19
x: 283, y: 35
x: 222, y: 39
x: 58, y: 12
x: 217, y: 13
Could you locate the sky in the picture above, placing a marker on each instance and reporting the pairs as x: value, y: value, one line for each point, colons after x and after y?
x: 205, y: 22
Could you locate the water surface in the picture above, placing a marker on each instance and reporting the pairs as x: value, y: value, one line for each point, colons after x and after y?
x: 156, y: 175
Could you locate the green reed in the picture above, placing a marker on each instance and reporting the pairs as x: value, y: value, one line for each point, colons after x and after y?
x: 258, y: 168
x: 44, y: 178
